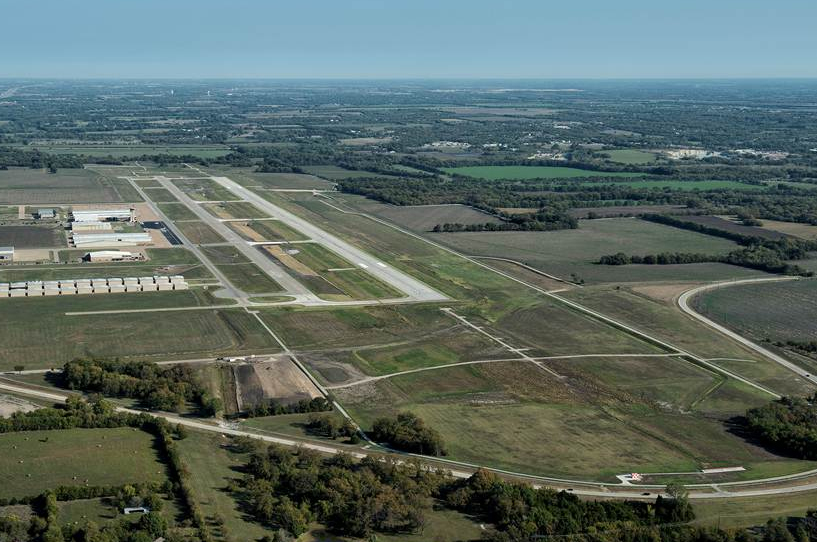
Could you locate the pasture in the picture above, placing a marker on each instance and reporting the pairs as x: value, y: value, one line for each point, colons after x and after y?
x: 36, y: 186
x: 565, y: 252
x: 34, y: 461
x: 425, y: 217
x: 492, y: 173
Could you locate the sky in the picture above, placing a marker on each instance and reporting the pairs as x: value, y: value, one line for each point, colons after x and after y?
x: 408, y: 38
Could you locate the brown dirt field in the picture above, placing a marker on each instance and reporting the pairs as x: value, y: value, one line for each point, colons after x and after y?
x: 803, y: 231
x: 289, y: 261
x: 158, y: 239
x: 32, y: 254
x: 145, y: 213
x: 666, y: 293
x: 9, y: 405
x: 246, y: 231
x: 279, y: 379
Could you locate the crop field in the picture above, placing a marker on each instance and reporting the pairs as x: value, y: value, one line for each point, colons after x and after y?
x: 249, y: 278
x: 612, y: 211
x: 34, y: 461
x: 204, y: 189
x: 686, y: 185
x: 266, y: 230
x: 31, y: 236
x: 42, y: 335
x: 533, y: 172
x: 135, y: 151
x: 777, y: 311
x: 235, y: 209
x: 199, y: 233
x: 630, y: 156
x: 177, y: 211
x: 803, y: 231
x: 564, y: 252
x: 160, y: 195
x: 33, y: 186
x: 425, y: 217
x: 327, y: 274
x: 733, y: 227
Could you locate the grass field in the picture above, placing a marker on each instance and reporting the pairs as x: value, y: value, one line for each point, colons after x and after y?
x: 425, y: 217
x: 630, y: 156
x: 200, y: 233
x: 177, y: 211
x: 575, y: 251
x: 203, y: 189
x: 24, y: 236
x: 224, y: 255
x: 33, y: 186
x: 249, y: 278
x: 533, y: 172
x: 248, y: 177
x: 41, y: 335
x: 748, y: 512
x: 160, y: 195
x: 266, y: 230
x: 803, y: 231
x: 235, y: 209
x: 335, y: 173
x: 33, y: 461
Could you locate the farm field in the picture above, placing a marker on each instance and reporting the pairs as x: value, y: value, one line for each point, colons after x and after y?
x: 199, y: 233
x: 249, y: 278
x: 35, y: 186
x: 776, y: 311
x: 20, y: 236
x: 34, y: 461
x: 533, y: 172
x: 266, y: 230
x: 630, y: 156
x: 803, y: 231
x: 425, y: 217
x: 564, y: 252
x: 43, y: 336
x: 623, y: 210
x: 725, y: 224
x: 235, y: 209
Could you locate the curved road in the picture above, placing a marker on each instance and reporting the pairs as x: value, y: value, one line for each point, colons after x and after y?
x: 683, y: 303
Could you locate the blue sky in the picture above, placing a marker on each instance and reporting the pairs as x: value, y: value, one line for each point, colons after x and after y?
x: 408, y: 38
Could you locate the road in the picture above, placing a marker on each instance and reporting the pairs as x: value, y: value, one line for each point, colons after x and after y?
x: 578, y: 487
x: 683, y: 303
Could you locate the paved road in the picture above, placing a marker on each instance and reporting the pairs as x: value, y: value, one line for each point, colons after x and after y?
x: 683, y: 302
x: 590, y: 489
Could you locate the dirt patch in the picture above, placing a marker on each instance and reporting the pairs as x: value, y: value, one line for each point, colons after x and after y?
x: 247, y: 232
x: 32, y: 255
x: 144, y: 213
x: 282, y: 256
x: 9, y: 405
x: 331, y: 370
x: 666, y: 293
x: 278, y: 380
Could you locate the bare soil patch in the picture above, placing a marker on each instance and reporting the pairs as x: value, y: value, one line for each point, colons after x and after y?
x: 279, y: 380
x: 290, y: 262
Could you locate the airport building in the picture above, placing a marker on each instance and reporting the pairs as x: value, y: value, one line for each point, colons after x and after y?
x: 98, y: 239
x: 46, y: 213
x: 111, y: 256
x: 104, y: 215
x: 93, y: 225
x: 38, y: 288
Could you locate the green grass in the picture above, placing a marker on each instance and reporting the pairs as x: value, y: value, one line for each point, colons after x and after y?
x: 235, y: 209
x: 686, y: 185
x: 41, y: 335
x: 752, y: 511
x: 177, y: 211
x: 204, y: 189
x: 630, y: 156
x: 32, y: 186
x: 533, y: 172
x: 200, y: 233
x: 249, y: 278
x: 269, y: 230
x: 34, y: 461
x: 224, y: 255
x: 248, y: 177
x: 160, y: 195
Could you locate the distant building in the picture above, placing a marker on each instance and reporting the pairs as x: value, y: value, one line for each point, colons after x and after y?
x: 104, y: 215
x: 6, y: 254
x: 110, y: 256
x: 136, y: 510
x: 46, y: 213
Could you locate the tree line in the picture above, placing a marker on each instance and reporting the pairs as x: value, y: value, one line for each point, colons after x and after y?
x: 787, y: 425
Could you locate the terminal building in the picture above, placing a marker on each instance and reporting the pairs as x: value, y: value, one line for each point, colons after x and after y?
x: 104, y: 215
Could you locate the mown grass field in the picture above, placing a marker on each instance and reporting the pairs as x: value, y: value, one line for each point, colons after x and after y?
x: 248, y: 177
x: 204, y: 189
x: 26, y: 236
x: 533, y: 172
x: 748, y: 512
x: 235, y: 209
x: 249, y: 278
x: 34, y: 461
x: 630, y: 156
x: 42, y: 336
x: 160, y: 195
x: 565, y: 252
x: 425, y: 217
x: 177, y: 211
x: 200, y: 233
x: 266, y: 230
x: 33, y: 186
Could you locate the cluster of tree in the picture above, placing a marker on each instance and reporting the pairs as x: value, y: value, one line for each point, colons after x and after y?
x: 332, y: 427
x: 274, y: 408
x: 73, y: 493
x: 289, y: 489
x: 758, y: 257
x: 788, y: 425
x: 808, y: 348
x: 408, y: 433
x: 541, y: 221
x: 35, y: 159
x: 158, y: 387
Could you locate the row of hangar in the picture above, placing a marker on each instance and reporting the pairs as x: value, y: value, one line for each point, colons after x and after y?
x: 92, y: 286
